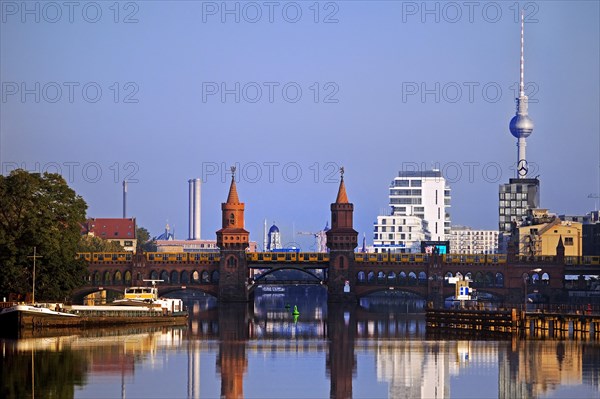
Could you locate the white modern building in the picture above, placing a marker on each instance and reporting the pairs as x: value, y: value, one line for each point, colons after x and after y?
x: 419, y: 201
x: 399, y: 233
x: 465, y: 240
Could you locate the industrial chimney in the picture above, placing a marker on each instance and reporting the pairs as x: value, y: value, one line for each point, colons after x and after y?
x: 124, y: 199
x: 194, y: 209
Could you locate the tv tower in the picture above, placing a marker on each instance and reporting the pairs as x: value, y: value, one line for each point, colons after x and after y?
x: 521, y: 124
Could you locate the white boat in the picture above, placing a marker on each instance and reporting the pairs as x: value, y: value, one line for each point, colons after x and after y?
x: 36, y: 310
x: 148, y: 296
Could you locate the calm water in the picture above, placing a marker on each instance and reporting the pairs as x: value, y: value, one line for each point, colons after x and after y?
x: 377, y: 350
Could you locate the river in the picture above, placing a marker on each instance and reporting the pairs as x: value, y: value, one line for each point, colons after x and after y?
x: 380, y: 349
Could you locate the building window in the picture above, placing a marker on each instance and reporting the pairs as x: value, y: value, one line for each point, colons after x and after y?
x: 401, y: 183
x: 383, y: 222
x: 415, y: 183
x: 568, y: 240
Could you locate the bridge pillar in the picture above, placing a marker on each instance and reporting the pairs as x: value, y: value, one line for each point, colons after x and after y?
x: 233, y: 240
x: 341, y: 359
x: 341, y: 241
x: 435, y: 286
x: 232, y: 360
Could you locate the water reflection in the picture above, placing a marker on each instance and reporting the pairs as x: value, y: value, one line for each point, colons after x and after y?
x: 262, y: 350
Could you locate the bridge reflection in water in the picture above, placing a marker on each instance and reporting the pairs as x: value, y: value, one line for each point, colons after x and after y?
x: 261, y: 350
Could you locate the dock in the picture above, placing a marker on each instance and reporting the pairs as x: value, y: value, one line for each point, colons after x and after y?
x: 535, y: 324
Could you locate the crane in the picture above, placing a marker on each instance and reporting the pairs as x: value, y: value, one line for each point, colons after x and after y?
x: 320, y: 238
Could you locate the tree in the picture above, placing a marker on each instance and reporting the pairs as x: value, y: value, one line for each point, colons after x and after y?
x: 144, y: 242
x: 91, y: 243
x: 40, y: 211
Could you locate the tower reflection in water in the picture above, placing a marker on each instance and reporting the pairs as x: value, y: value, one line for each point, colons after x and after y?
x: 260, y: 350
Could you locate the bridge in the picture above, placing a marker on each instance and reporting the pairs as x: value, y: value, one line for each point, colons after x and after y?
x: 232, y: 274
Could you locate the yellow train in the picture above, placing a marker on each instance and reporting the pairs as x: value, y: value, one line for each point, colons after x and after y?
x: 108, y: 257
x: 151, y: 257
x: 206, y: 257
x: 287, y: 257
x: 422, y: 258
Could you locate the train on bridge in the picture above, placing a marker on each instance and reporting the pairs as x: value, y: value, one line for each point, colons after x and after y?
x: 318, y: 257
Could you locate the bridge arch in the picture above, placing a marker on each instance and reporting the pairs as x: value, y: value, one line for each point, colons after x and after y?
x: 106, y: 280
x: 206, y: 289
x: 174, y: 277
x: 164, y: 275
x: 392, y: 278
x: 127, y: 277
x: 361, y: 277
x: 412, y: 278
x: 78, y: 295
x: 287, y: 267
x: 185, y: 277
x: 154, y: 275
x: 402, y: 278
x: 383, y: 288
x: 118, y: 278
x: 499, y: 280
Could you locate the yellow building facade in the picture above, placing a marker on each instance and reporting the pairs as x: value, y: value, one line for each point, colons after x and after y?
x: 540, y: 238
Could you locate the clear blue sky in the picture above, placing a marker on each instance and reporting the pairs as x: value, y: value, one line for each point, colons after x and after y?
x: 366, y: 58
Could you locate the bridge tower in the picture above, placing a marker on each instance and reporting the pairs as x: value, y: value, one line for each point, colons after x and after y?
x: 233, y: 240
x: 341, y: 241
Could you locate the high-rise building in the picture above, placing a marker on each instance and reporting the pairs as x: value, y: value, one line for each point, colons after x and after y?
x: 515, y: 199
x: 419, y: 201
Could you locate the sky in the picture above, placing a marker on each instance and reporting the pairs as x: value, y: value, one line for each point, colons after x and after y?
x: 159, y: 92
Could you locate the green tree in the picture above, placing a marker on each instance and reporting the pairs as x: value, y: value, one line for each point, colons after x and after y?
x: 90, y: 243
x: 144, y: 242
x: 40, y: 211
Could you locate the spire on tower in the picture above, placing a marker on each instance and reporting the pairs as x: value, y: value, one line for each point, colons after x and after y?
x: 342, y: 197
x: 522, y: 78
x: 233, y: 198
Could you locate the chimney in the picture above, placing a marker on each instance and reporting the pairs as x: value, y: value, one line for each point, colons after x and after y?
x: 124, y: 199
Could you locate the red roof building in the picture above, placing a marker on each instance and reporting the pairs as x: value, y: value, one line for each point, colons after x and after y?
x: 113, y: 229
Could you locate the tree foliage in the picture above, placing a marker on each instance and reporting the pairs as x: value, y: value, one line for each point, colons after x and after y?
x: 90, y: 243
x: 144, y: 242
x: 40, y: 211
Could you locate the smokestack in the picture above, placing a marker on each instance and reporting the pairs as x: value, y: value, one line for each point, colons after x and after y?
x: 191, y: 209
x: 124, y: 199
x: 197, y: 208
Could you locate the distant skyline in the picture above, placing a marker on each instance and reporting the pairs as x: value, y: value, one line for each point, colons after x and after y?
x: 161, y: 92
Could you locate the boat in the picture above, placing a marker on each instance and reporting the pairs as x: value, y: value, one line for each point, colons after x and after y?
x: 34, y: 310
x: 139, y: 305
x: 17, y: 317
x: 148, y: 297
